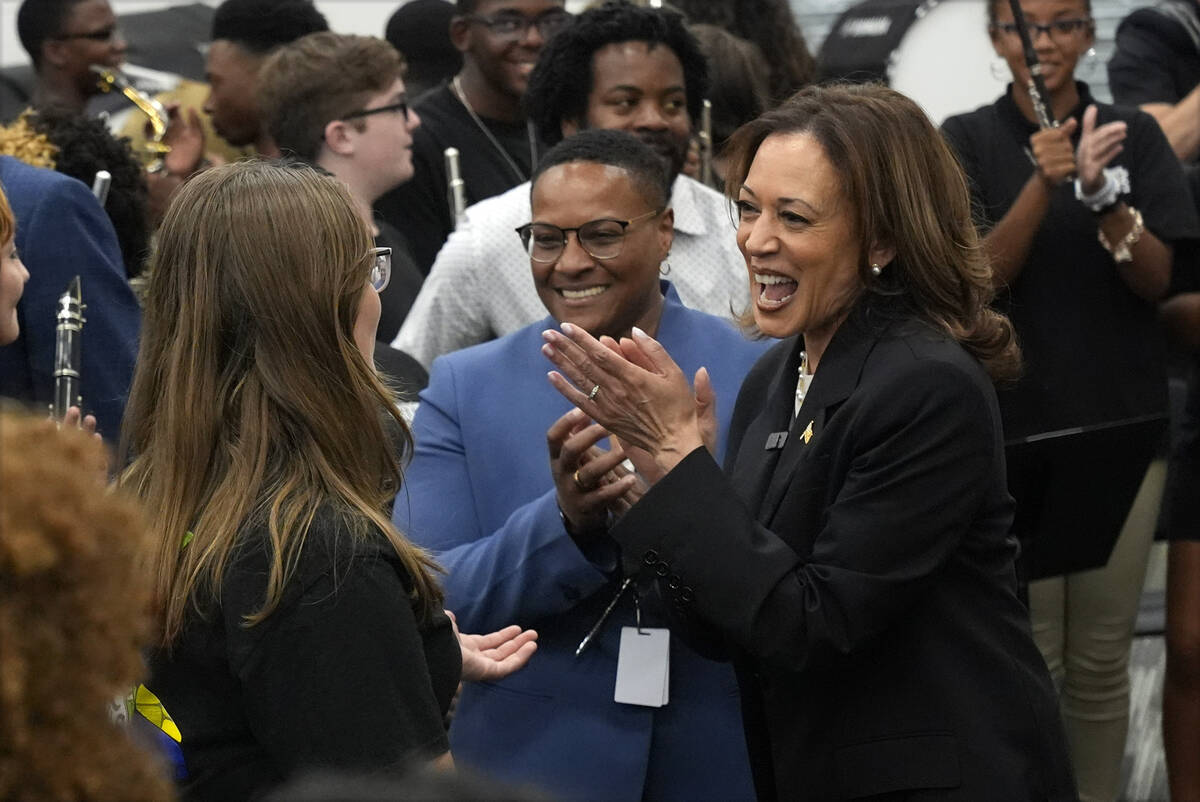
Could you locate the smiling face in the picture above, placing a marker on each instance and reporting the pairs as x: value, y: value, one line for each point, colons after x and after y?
x: 13, y: 276
x: 506, y: 62
x: 232, y: 75
x: 640, y: 89
x: 603, y: 296
x: 1058, y: 51
x: 796, y: 231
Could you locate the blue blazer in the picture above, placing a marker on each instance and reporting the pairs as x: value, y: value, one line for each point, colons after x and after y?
x: 63, y: 232
x: 480, y: 496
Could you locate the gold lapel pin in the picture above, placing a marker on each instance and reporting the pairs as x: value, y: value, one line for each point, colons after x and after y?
x: 808, y: 433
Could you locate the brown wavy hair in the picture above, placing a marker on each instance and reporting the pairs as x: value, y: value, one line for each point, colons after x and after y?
x: 8, y: 223
x: 907, y: 190
x: 74, y: 615
x: 252, y: 403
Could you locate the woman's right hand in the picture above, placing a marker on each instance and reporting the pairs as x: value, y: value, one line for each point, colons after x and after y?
x: 1053, y: 152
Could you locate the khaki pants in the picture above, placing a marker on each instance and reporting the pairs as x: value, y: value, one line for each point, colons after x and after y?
x: 1083, y: 625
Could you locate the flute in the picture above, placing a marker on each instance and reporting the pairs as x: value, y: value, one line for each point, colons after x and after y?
x: 457, y: 189
x: 1037, y: 85
x: 706, y: 143
x: 68, y: 345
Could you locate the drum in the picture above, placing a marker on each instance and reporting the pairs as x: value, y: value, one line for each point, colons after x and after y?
x: 937, y: 53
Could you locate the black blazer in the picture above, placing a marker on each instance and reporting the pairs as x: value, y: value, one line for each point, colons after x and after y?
x: 861, y: 576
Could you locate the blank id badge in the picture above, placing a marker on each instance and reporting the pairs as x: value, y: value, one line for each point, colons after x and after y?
x: 643, y: 667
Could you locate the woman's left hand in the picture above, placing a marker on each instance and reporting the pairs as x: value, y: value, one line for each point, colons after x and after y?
x: 496, y: 655
x: 634, y: 389
x: 1097, y: 147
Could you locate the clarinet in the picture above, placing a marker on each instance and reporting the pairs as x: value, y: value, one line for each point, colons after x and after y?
x: 68, y: 342
x: 1038, y: 95
x: 458, y: 195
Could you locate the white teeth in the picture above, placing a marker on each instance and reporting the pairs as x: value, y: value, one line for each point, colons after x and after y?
x: 572, y: 295
x: 763, y: 278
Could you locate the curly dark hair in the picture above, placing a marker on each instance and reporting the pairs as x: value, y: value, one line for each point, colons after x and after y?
x: 85, y: 146
x: 768, y: 24
x: 260, y: 26
x: 74, y: 614
x: 562, y: 80
x: 617, y: 149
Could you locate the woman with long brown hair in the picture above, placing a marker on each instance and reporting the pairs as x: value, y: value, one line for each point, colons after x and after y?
x: 855, y: 562
x: 296, y: 626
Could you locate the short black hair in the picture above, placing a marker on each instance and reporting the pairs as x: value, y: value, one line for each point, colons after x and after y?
x: 562, y: 80
x: 39, y: 20
x: 260, y: 26
x: 85, y: 146
x: 616, y: 149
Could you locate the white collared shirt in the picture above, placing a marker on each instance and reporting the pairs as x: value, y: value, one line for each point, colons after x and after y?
x: 481, y: 286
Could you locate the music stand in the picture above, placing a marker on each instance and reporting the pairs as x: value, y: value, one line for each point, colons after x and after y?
x: 1074, y: 488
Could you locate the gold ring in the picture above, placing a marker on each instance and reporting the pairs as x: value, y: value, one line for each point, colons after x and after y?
x: 578, y: 483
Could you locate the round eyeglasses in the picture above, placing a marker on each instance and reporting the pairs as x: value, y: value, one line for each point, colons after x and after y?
x: 601, y: 239
x: 381, y: 268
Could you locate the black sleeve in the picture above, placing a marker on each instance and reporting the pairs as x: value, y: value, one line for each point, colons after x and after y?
x: 337, y: 677
x: 419, y: 209
x: 1140, y: 69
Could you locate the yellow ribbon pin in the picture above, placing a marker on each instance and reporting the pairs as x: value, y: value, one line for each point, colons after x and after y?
x: 808, y: 433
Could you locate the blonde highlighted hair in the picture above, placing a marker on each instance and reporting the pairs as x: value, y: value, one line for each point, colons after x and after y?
x: 252, y: 404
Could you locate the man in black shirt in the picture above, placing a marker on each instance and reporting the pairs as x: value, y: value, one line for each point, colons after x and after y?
x: 479, y: 112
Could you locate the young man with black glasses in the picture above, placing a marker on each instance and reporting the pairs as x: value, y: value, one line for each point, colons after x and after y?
x: 478, y: 112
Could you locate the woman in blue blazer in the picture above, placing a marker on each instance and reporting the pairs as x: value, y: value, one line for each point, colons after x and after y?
x: 511, y: 490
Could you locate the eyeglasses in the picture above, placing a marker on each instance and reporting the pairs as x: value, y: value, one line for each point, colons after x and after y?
x: 514, y: 27
x: 601, y: 239
x: 102, y: 35
x: 401, y: 106
x: 1059, y: 28
x: 381, y: 268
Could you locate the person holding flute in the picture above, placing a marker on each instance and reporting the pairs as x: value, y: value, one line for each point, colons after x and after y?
x: 1083, y: 218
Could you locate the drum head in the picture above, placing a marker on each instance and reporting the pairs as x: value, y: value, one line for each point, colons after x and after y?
x: 945, y: 60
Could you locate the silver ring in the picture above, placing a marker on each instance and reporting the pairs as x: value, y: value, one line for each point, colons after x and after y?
x: 595, y: 391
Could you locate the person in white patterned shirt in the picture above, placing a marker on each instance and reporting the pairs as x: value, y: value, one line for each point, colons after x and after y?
x: 618, y: 66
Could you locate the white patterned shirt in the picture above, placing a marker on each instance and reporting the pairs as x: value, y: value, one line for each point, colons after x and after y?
x: 481, y: 286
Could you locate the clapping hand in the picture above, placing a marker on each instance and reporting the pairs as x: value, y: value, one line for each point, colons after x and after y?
x: 486, y: 658
x: 1097, y: 148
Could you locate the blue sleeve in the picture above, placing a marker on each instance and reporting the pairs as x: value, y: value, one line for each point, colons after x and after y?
x: 525, y: 570
x: 66, y: 233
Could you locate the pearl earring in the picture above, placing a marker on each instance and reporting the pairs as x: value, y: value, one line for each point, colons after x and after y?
x: 876, y: 270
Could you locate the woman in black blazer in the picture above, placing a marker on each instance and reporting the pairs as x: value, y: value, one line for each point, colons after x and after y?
x: 854, y: 561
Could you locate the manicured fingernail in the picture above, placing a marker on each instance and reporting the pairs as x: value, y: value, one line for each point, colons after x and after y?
x: 547, y: 350
x: 567, y: 329
x: 638, y: 332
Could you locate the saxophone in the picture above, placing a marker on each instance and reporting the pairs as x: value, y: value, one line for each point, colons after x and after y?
x: 109, y: 80
x: 68, y: 346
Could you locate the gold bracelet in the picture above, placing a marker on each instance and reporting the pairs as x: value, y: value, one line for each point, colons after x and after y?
x: 1122, y: 253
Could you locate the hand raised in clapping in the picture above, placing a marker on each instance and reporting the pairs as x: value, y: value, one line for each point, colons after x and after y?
x: 588, y: 480
x: 1097, y: 147
x: 1053, y: 152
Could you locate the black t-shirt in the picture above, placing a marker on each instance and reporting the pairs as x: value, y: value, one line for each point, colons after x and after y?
x: 1094, y: 351
x: 341, y: 675
x: 420, y: 208
x: 1155, y: 60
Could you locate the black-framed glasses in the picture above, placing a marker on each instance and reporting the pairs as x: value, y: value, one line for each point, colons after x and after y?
x: 400, y: 106
x: 1060, y: 27
x: 381, y: 268
x: 601, y: 239
x: 101, y: 35
x: 516, y: 26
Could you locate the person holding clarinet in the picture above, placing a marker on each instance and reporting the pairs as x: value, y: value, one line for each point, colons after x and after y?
x: 1084, y: 211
